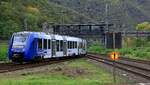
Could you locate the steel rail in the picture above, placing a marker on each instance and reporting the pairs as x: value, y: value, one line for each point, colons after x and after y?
x: 145, y: 73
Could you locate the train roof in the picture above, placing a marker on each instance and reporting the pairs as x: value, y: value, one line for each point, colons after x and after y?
x: 43, y: 34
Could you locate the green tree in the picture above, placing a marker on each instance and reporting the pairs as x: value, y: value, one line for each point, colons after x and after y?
x: 143, y: 26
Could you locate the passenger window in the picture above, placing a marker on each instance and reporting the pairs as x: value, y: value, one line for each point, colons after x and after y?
x: 71, y: 45
x: 83, y: 44
x: 75, y: 44
x: 40, y: 43
x: 57, y: 45
x: 80, y: 44
x: 49, y: 44
x: 61, y: 45
x: 68, y: 44
x: 45, y: 43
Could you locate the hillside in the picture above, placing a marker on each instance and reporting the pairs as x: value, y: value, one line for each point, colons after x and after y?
x: 127, y: 13
x: 17, y: 14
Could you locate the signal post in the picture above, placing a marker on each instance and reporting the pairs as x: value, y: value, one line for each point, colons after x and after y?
x: 114, y: 56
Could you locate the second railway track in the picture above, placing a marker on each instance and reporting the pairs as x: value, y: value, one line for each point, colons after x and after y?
x: 125, y: 65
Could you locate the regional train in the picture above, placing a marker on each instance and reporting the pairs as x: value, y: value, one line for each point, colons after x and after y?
x: 29, y: 46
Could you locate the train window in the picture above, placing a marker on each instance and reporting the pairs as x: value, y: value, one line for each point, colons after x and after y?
x: 72, y: 44
x: 75, y: 44
x: 68, y: 44
x: 80, y: 44
x: 49, y: 44
x: 45, y: 43
x: 40, y: 43
x: 61, y: 45
x: 57, y: 45
x: 83, y: 45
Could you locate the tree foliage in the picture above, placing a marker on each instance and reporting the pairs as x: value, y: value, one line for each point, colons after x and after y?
x: 143, y: 26
x: 14, y: 13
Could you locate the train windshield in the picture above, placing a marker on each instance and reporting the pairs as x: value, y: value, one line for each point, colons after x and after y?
x: 20, y: 40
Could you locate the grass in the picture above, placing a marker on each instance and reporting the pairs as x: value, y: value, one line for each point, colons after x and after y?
x: 131, y: 52
x: 136, y: 53
x: 3, y: 51
x: 90, y: 76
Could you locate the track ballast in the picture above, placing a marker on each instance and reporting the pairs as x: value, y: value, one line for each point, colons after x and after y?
x: 137, y: 67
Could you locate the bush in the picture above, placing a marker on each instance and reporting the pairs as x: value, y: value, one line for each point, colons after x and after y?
x: 133, y: 52
x: 96, y: 48
x: 3, y: 51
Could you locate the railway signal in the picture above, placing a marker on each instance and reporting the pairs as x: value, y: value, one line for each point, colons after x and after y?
x: 114, y: 56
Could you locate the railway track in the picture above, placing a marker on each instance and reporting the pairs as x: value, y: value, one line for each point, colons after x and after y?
x: 132, y: 66
x: 136, y: 60
x: 127, y: 59
x: 9, y: 67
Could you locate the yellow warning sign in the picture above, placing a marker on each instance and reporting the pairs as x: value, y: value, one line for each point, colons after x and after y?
x: 114, y: 55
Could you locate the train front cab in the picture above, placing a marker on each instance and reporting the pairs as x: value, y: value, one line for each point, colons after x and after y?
x: 18, y: 46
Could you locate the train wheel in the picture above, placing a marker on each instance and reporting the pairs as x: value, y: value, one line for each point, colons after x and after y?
x: 37, y: 59
x: 17, y: 59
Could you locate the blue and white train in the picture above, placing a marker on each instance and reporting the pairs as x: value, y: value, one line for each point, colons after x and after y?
x: 28, y: 46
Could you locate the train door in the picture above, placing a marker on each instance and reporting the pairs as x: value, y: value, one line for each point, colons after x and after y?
x: 45, y: 49
x: 78, y: 47
x: 40, y: 47
x: 53, y: 47
x: 48, y: 49
x: 65, y: 48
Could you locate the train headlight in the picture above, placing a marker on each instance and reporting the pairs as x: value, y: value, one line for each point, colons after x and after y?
x: 23, y: 49
x: 18, y: 46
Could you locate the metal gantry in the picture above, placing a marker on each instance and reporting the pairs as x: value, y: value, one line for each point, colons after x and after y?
x: 92, y: 32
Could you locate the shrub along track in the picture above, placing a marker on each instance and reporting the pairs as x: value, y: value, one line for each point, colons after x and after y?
x: 136, y: 67
x: 9, y: 67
